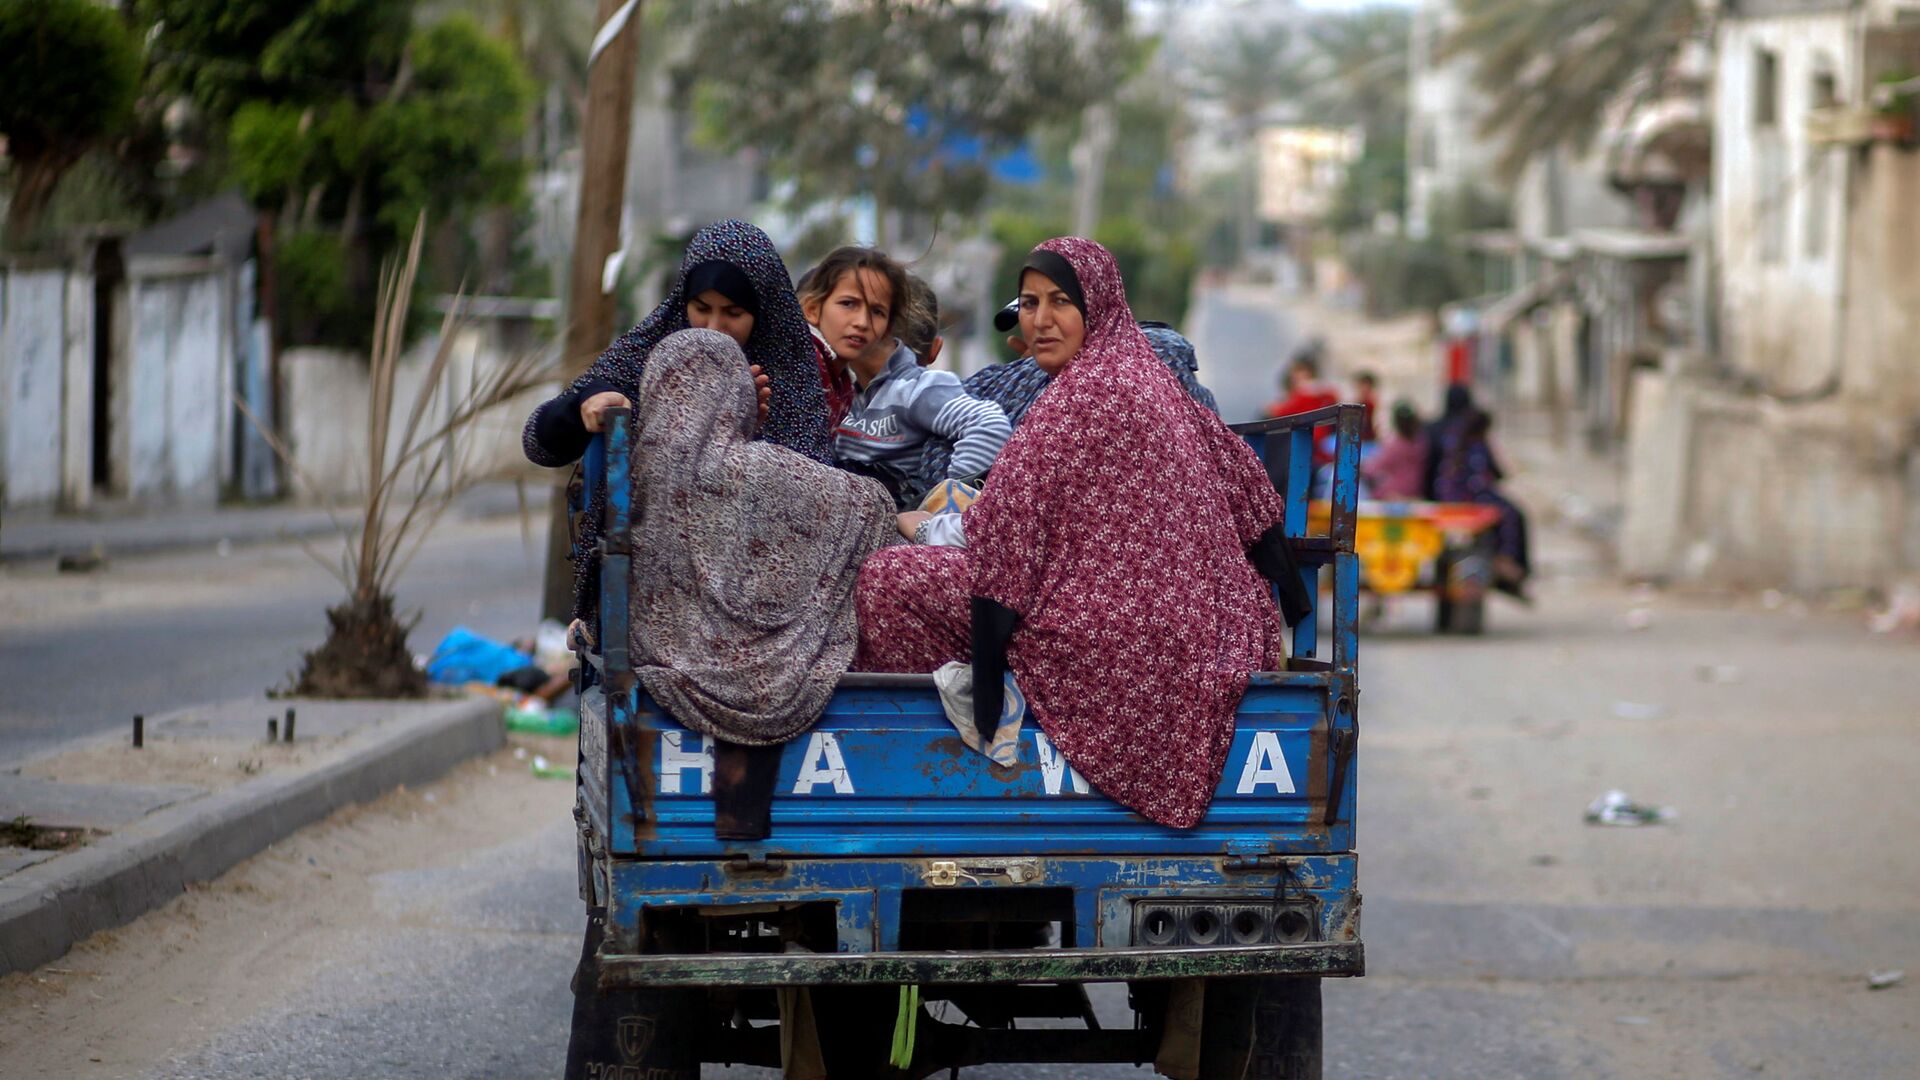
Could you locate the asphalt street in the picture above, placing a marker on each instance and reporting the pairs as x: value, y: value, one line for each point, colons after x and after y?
x: 433, y: 933
x: 80, y: 653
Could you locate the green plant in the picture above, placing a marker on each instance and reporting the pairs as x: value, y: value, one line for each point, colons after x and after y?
x: 344, y: 118
x: 416, y: 467
x: 68, y: 81
x: 873, y: 98
x: 1553, y: 69
x: 1897, y: 97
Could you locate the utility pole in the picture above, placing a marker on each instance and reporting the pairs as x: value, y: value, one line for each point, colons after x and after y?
x: 606, y: 130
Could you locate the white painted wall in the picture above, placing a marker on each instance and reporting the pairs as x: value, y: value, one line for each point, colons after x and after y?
x: 171, y: 364
x: 177, y: 405
x: 327, y: 395
x: 32, y: 351
x: 1780, y: 202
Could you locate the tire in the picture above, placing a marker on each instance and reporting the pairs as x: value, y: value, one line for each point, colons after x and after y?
x: 650, y: 1033
x: 1469, y: 617
x: 1262, y: 1029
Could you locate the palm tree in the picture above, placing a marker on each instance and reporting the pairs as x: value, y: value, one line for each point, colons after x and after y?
x: 1359, y: 69
x: 1552, y: 69
x: 1253, y: 71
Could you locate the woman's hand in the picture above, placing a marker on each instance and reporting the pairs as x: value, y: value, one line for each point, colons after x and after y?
x: 764, y: 387
x: 911, y: 521
x: 593, y: 411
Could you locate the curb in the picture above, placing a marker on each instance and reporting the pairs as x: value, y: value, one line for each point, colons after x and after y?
x: 132, y: 535
x: 48, y: 908
x: 82, y: 538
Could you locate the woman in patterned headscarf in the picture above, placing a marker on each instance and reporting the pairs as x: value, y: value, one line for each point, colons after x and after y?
x: 731, y: 277
x: 743, y: 607
x: 1115, y: 558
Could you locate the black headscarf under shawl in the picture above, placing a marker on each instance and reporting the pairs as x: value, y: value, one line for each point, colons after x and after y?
x: 780, y: 344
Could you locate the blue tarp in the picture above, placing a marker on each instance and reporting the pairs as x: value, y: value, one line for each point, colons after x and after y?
x: 464, y: 656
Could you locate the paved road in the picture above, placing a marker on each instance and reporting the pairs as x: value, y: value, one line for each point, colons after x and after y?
x: 84, y: 652
x: 1242, y: 349
x: 432, y: 935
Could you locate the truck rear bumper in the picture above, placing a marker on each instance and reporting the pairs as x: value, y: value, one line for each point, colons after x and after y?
x: 618, y: 972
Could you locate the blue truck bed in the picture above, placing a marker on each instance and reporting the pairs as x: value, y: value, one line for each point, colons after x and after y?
x: 899, y: 856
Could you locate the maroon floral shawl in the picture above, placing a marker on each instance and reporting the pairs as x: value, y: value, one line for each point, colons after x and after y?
x: 1116, y: 524
x: 745, y: 552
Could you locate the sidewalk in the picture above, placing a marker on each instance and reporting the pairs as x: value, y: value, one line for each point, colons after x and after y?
x: 123, y: 529
x: 97, y: 832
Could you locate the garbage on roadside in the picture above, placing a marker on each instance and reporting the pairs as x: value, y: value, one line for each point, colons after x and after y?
x: 83, y: 562
x: 1637, y: 619
x: 1638, y: 710
x: 1615, y: 808
x: 538, y: 667
x: 466, y: 657
x: 547, y: 770
x: 1902, y: 611
x: 1885, y: 980
x: 531, y: 716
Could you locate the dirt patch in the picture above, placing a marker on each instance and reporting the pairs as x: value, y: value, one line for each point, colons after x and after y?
x: 124, y: 1000
x: 21, y: 833
x: 365, y: 655
x: 210, y: 764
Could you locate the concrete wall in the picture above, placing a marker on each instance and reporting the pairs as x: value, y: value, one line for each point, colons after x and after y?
x: 1730, y: 489
x: 169, y: 366
x: 172, y: 406
x: 33, y: 354
x: 327, y: 394
x: 1780, y: 203
x: 1558, y: 194
x: 1882, y: 341
x: 46, y: 385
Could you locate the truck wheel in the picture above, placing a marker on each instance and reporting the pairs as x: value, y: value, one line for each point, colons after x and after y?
x: 650, y: 1033
x: 1464, y: 617
x: 1262, y: 1029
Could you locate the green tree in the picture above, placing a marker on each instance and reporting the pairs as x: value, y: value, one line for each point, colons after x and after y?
x: 1252, y: 72
x: 1358, y: 73
x: 226, y: 53
x: 865, y: 98
x: 346, y: 121
x: 69, y: 80
x: 1551, y: 69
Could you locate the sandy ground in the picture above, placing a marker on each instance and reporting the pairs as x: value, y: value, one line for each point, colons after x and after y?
x: 126, y: 999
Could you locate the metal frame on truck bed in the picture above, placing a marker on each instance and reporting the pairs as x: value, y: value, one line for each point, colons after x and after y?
x: 898, y: 857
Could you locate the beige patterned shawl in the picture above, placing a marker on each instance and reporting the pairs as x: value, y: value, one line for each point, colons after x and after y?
x: 744, y: 553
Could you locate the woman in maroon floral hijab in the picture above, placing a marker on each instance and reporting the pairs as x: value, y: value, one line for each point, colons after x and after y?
x: 1114, y: 562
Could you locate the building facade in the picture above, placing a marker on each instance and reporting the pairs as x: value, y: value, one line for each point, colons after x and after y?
x: 1796, y: 438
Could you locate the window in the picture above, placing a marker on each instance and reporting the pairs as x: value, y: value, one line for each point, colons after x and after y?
x: 1815, y: 202
x: 1766, y: 88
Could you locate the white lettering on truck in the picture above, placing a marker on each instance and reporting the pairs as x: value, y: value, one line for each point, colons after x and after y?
x: 1265, y: 765
x: 675, y: 758
x: 1054, y: 768
x: 823, y: 764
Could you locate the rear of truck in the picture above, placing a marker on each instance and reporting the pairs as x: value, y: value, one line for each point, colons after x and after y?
x: 900, y: 858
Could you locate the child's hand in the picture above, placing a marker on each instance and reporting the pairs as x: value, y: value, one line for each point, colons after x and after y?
x: 911, y: 521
